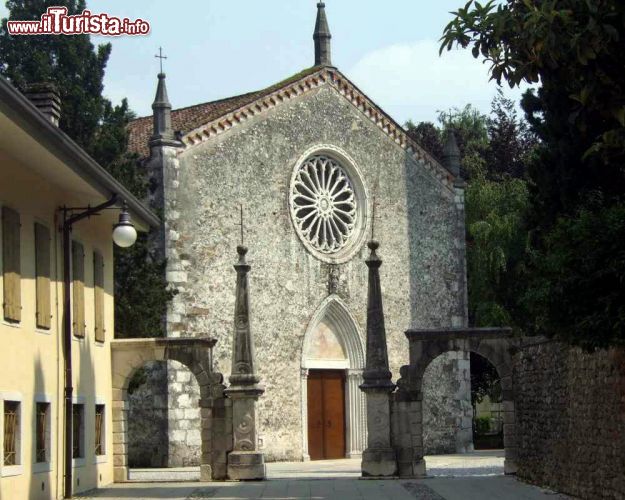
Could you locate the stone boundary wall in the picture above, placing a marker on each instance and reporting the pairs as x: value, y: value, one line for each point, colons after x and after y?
x: 571, y: 419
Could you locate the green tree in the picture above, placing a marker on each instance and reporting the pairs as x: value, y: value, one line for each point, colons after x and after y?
x: 510, y: 141
x: 71, y: 62
x: 427, y: 135
x: 496, y: 204
x: 497, y: 244
x: 77, y: 69
x: 572, y: 49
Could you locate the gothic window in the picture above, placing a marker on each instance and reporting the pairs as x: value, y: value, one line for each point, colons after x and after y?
x: 326, y: 205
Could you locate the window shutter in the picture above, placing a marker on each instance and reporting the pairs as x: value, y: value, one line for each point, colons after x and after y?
x: 11, y: 264
x: 42, y: 272
x: 98, y: 288
x: 78, y: 277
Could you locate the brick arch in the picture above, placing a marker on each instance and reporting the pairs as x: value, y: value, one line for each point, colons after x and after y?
x: 128, y: 355
x: 494, y: 344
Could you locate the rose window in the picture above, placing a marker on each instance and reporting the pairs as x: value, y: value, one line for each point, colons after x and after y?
x: 324, y: 204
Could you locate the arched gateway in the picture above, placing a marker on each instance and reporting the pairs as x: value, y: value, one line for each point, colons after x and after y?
x: 494, y: 344
x: 128, y: 355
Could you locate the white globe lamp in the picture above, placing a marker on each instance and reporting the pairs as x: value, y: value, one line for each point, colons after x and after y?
x: 124, y: 232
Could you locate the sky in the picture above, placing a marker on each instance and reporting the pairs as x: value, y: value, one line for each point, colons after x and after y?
x: 221, y: 48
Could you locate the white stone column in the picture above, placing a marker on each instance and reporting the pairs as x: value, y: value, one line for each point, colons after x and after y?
x: 355, y: 411
x: 304, y: 388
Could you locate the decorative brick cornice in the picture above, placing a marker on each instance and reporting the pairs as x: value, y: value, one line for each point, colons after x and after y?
x: 334, y: 78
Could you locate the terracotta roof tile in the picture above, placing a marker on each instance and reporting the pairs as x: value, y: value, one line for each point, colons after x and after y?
x: 192, y: 117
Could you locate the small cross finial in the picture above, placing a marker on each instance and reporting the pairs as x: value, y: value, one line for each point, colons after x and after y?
x: 241, y: 222
x: 374, y: 207
x: 161, y: 57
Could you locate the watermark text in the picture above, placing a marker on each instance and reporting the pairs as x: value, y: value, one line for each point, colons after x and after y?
x: 56, y: 21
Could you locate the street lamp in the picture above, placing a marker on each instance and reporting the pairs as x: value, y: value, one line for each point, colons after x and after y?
x: 124, y: 235
x: 124, y: 232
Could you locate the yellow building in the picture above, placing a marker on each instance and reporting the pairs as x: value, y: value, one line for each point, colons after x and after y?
x: 41, y: 170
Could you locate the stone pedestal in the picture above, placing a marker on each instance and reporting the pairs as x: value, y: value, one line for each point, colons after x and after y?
x: 245, y: 462
x: 246, y: 466
x: 379, y: 459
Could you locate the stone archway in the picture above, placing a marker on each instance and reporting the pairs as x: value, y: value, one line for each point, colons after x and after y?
x: 494, y: 344
x: 128, y: 355
x: 346, y: 352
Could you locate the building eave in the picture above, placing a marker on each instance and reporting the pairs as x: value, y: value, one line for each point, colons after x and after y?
x: 25, y: 115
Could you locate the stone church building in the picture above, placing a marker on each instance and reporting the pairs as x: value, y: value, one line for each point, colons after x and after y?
x: 316, y: 168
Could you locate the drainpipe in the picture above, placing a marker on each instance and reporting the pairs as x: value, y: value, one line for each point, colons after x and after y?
x: 68, y: 222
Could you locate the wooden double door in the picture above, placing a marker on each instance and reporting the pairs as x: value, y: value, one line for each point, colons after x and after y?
x: 326, y: 414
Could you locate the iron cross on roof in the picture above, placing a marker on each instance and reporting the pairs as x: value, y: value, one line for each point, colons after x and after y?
x: 161, y: 57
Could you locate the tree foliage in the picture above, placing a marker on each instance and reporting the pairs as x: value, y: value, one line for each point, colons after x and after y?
x: 428, y: 136
x: 510, y: 140
x: 77, y: 69
x: 573, y: 50
x: 485, y: 380
x: 492, y: 148
x: 71, y: 62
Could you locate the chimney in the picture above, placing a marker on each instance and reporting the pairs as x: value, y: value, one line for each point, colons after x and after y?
x: 45, y: 96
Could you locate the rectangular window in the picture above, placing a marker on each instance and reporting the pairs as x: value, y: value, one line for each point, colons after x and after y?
x: 99, y: 430
x: 42, y: 273
x: 11, y: 432
x: 42, y: 432
x: 78, y: 426
x: 78, y: 281
x: 11, y: 265
x: 98, y: 290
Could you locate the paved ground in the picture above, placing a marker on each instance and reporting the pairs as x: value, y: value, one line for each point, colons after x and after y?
x: 477, y: 476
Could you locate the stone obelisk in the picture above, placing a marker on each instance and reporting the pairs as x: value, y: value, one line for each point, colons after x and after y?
x: 245, y: 462
x: 379, y: 459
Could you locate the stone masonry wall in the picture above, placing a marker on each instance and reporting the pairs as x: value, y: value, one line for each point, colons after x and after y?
x: 570, y: 409
x: 252, y: 163
x: 446, y: 384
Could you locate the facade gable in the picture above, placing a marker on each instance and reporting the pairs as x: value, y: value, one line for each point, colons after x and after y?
x: 337, y: 81
x: 211, y: 119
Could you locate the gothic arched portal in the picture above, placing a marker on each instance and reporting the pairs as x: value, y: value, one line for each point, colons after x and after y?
x: 333, y: 342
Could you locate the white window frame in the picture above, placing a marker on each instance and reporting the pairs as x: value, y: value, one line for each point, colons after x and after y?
x: 47, y: 465
x: 18, y: 469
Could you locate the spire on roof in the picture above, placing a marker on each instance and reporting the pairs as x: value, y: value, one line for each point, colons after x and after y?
x: 322, y: 36
x: 161, y: 108
x: 451, y: 154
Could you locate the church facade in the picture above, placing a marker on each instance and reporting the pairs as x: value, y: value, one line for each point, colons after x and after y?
x: 305, y: 173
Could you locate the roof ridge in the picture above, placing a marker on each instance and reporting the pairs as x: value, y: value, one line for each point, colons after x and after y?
x: 269, y: 88
x: 216, y: 101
